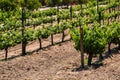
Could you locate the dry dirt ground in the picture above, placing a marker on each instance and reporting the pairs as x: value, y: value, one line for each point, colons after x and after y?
x: 57, y: 62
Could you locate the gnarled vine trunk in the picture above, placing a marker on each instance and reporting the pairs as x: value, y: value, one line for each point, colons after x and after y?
x: 90, y: 59
x: 109, y: 51
x: 40, y: 43
x: 6, y: 53
x: 52, y: 39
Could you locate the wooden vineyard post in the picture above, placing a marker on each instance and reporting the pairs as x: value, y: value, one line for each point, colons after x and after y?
x: 52, y: 42
x: 23, y: 40
x: 98, y: 12
x: 119, y: 9
x: 109, y: 8
x: 63, y: 35
x: 33, y: 26
x: 71, y: 11
x: 81, y: 47
x: 99, y: 21
x: 97, y: 7
x: 81, y: 42
x: 58, y: 19
x: 103, y: 21
x: 109, y: 12
x: 119, y: 14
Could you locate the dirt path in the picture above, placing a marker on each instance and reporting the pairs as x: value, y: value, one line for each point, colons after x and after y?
x: 43, y: 64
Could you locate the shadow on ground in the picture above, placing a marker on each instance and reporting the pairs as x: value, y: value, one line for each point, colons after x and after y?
x: 99, y: 63
x: 36, y: 50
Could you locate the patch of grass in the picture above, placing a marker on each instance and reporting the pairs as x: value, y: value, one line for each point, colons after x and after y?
x: 86, y: 61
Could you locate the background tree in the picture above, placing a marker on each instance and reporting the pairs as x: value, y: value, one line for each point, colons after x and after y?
x: 7, y: 5
x: 44, y: 2
x: 54, y: 2
x: 29, y: 4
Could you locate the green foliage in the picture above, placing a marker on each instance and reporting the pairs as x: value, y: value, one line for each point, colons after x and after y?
x: 10, y: 38
x: 82, y: 1
x: 54, y: 2
x: 29, y: 34
x: 94, y: 40
x: 44, y: 2
x: 75, y: 34
x: 38, y: 33
x: 113, y: 33
x: 66, y: 2
x: 7, y: 5
x: 64, y: 25
x: 31, y: 5
x: 46, y: 32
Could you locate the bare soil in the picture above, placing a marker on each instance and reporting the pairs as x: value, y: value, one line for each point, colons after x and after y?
x: 58, y: 62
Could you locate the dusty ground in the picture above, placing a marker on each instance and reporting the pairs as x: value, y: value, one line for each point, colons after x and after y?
x: 57, y: 62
